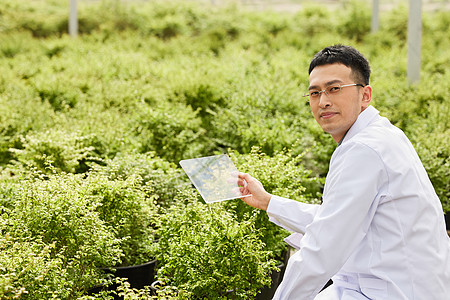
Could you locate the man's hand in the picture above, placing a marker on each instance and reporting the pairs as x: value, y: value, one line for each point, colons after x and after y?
x: 249, y: 185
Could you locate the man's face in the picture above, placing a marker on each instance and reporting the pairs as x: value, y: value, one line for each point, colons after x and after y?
x: 336, y: 113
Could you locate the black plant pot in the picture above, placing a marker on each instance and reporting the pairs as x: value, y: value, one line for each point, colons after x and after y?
x: 155, y: 287
x: 138, y: 277
x: 447, y: 221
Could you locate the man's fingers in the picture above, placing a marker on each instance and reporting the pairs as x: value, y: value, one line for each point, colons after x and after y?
x: 238, y: 180
x: 246, y: 178
x: 243, y: 175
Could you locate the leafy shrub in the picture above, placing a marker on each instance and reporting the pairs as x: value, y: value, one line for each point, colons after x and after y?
x: 58, y: 213
x: 205, y: 251
x: 127, y: 207
x: 396, y: 22
x: 205, y: 100
x: 172, y: 130
x: 13, y: 44
x: 282, y: 174
x: 434, y: 151
x: 259, y: 114
x: 57, y: 96
x: 18, y: 116
x: 167, y: 27
x: 356, y: 22
x: 41, y: 20
x: 29, y: 270
x: 314, y: 20
x: 57, y: 150
x: 163, y: 177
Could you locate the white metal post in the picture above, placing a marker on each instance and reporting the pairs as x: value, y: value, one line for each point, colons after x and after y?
x: 73, y: 19
x: 414, y: 40
x: 375, y: 16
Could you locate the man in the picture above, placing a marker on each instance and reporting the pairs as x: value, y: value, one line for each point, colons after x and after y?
x: 380, y: 232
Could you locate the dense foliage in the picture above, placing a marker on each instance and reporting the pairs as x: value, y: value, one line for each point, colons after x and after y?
x: 206, y: 252
x: 92, y: 129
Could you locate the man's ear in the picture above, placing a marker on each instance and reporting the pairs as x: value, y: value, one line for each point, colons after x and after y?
x: 366, y: 97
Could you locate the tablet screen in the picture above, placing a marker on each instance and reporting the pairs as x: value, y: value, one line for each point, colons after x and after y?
x: 215, y: 177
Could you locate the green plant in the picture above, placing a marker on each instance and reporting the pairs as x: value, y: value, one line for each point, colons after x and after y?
x: 40, y: 20
x: 355, y: 23
x: 127, y: 207
x: 153, y: 124
x: 282, y: 174
x: 396, y: 22
x: 313, y: 19
x: 59, y: 221
x: 163, y: 177
x: 29, y: 269
x: 56, y: 150
x: 13, y: 44
x: 18, y: 116
x: 205, y: 251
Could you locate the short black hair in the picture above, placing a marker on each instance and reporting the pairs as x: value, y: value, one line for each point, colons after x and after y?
x: 347, y: 56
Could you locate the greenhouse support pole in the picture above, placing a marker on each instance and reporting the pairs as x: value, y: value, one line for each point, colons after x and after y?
x: 414, y: 40
x: 73, y: 19
x: 375, y: 16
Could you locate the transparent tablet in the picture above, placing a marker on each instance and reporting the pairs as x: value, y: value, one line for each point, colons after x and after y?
x: 215, y: 177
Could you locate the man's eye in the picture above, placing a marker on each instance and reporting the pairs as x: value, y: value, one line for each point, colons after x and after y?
x: 334, y: 89
x: 314, y: 94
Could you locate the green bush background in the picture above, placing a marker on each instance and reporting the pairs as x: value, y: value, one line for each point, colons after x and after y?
x: 147, y: 84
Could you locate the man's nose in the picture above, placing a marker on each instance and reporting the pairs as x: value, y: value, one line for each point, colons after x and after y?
x: 324, y: 99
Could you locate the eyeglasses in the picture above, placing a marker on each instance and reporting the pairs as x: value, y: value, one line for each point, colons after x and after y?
x: 330, y: 91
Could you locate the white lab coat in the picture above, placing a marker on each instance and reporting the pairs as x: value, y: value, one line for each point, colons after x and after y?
x: 380, y: 231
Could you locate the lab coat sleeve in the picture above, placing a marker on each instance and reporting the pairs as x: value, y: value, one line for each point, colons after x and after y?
x: 291, y: 215
x: 340, y: 223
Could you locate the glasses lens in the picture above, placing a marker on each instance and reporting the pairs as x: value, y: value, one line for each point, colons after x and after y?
x: 334, y: 89
x: 314, y: 94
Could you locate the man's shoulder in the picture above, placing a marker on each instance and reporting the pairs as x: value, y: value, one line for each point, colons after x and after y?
x: 380, y: 137
x: 380, y: 133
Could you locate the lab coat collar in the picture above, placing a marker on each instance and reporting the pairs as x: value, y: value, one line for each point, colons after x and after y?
x: 366, y: 117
